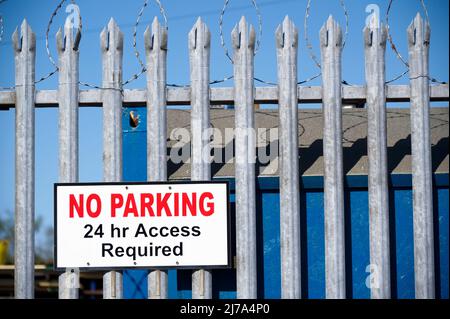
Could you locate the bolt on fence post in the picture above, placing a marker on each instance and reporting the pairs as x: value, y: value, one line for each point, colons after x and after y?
x: 156, y: 56
x: 111, y: 40
x: 25, y: 58
x: 199, y: 56
x: 68, y: 96
x: 243, y: 39
x: 331, y: 49
x: 287, y: 51
x: 375, y: 47
x: 418, y: 44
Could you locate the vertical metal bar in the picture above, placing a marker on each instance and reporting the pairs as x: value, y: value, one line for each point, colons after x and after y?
x: 68, y: 95
x: 331, y: 49
x: 375, y: 48
x: 25, y: 58
x: 199, y: 54
x: 244, y: 47
x: 418, y: 43
x: 111, y: 40
x: 156, y: 53
x: 287, y: 51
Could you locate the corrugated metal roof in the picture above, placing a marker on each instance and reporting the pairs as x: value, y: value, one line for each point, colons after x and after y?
x: 310, y: 140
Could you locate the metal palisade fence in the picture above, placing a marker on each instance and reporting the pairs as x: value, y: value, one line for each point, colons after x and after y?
x: 287, y: 94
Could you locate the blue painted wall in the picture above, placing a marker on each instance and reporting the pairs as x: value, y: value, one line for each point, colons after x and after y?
x: 268, y: 232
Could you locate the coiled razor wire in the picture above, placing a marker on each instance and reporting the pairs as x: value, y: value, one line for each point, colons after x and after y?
x: 394, y: 47
x: 47, y: 33
x: 308, y: 42
x: 2, y: 88
x: 227, y: 78
x: 136, y: 52
x: 1, y: 23
x: 163, y: 13
x: 222, y: 39
x: 50, y: 57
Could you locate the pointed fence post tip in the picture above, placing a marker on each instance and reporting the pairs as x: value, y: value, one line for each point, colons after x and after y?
x: 25, y: 58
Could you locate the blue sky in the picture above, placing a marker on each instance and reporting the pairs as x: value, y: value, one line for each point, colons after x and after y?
x: 181, y: 17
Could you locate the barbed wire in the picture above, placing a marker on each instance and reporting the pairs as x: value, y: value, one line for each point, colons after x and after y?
x: 389, y: 35
x: 394, y: 47
x: 306, y: 36
x: 431, y: 79
x: 1, y: 23
x: 260, y: 29
x: 398, y: 77
x: 174, y: 85
x: 49, y: 55
x: 136, y: 51
x: 93, y: 86
x: 80, y: 28
x: 3, y: 88
x: 1, y: 28
x: 47, y: 33
x: 265, y: 82
x: 309, y: 46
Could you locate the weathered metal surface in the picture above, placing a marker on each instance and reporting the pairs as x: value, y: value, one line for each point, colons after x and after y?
x: 287, y: 46
x: 111, y: 40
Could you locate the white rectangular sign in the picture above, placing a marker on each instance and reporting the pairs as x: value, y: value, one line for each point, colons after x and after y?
x: 150, y: 225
